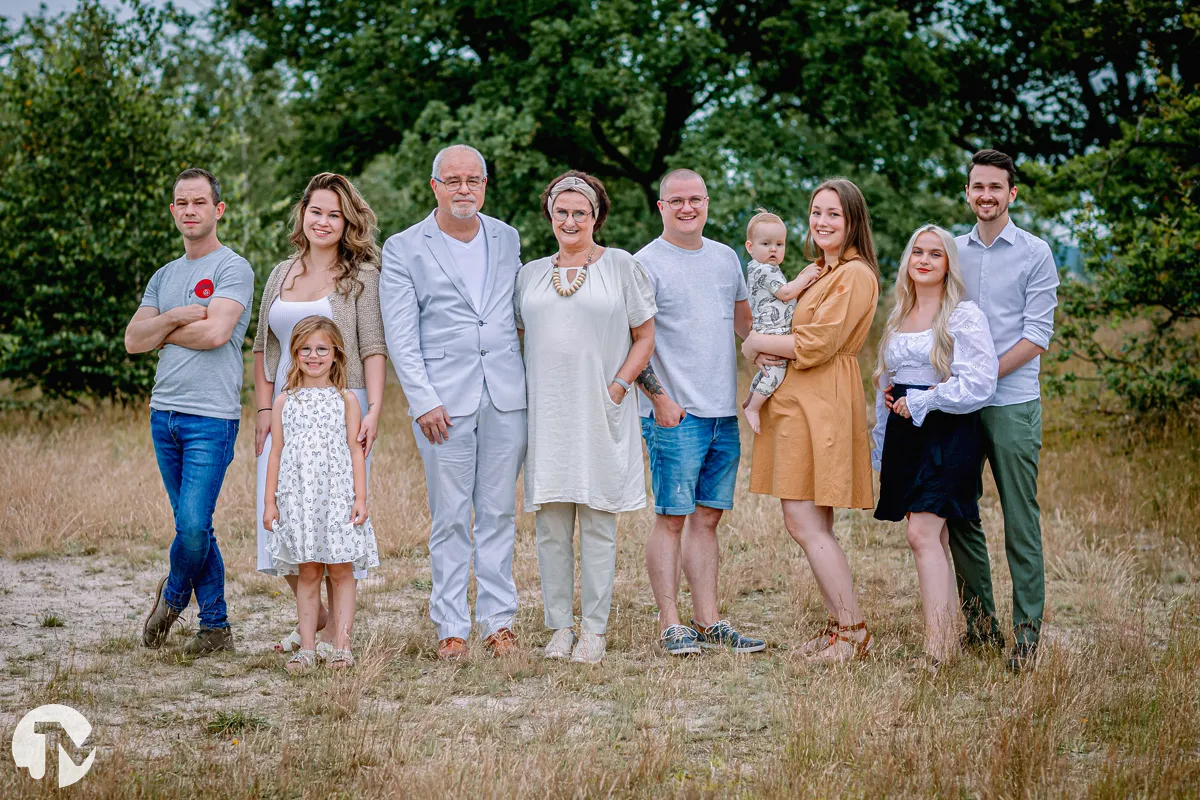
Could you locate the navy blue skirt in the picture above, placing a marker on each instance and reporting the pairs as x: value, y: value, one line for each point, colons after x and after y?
x: 934, y: 468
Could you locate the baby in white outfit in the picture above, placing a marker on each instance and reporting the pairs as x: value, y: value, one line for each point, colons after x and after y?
x: 772, y: 298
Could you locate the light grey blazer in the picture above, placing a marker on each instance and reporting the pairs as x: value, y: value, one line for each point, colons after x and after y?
x: 442, y: 346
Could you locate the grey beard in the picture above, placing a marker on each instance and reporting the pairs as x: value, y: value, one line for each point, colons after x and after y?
x: 459, y: 214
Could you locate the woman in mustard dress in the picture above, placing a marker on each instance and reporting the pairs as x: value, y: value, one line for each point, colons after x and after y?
x: 814, y: 451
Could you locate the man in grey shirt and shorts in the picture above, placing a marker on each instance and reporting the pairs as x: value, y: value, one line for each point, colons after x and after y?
x: 689, y: 413
x: 196, y: 309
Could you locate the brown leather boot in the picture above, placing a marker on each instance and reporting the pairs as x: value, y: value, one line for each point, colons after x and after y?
x: 161, y: 618
x: 209, y: 640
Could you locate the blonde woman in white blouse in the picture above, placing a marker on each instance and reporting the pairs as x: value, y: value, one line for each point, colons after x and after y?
x: 937, y: 356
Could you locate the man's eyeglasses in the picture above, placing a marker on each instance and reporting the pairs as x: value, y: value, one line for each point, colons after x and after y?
x: 321, y: 351
x: 454, y: 184
x: 695, y: 202
x: 579, y: 216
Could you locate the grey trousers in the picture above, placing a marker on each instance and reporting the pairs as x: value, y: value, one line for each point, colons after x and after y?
x: 556, y: 562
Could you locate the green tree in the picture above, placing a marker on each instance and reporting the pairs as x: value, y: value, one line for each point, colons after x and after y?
x: 90, y: 142
x: 1135, y: 312
x: 624, y: 89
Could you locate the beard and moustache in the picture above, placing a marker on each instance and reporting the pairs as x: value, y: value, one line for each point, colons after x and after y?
x: 989, y: 213
x: 459, y: 210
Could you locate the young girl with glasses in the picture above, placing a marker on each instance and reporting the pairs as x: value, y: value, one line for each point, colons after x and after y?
x: 315, y: 504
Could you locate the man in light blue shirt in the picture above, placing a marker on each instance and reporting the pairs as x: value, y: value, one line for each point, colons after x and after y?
x: 1010, y: 273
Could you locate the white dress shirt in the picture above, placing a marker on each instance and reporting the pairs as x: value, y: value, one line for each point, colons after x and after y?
x: 1015, y: 282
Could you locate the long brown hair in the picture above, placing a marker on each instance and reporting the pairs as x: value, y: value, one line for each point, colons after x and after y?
x: 942, y: 353
x: 306, y: 328
x: 858, y: 223
x: 357, y: 248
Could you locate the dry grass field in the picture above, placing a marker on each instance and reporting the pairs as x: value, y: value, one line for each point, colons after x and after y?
x: 1112, y: 710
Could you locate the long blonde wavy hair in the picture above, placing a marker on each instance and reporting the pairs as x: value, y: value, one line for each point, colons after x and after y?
x: 357, y: 248
x: 306, y: 328
x: 953, y: 291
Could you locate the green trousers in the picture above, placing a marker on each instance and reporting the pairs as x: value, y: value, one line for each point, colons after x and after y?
x: 1012, y: 441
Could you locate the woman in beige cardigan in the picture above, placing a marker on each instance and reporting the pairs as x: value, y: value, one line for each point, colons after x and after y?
x: 334, y: 273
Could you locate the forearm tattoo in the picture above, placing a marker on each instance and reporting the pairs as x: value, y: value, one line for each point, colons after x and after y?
x: 649, y: 381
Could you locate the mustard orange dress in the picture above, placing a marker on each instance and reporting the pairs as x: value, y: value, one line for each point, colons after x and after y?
x: 815, y: 443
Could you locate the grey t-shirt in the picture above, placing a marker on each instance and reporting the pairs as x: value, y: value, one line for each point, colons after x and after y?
x: 695, y: 349
x: 207, y: 383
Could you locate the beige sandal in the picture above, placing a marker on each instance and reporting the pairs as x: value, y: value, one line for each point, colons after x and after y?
x: 340, y: 659
x: 303, y: 661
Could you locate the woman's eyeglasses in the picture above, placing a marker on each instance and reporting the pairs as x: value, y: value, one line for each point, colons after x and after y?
x: 579, y: 216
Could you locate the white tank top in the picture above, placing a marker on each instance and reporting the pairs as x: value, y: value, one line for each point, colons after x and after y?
x: 282, y: 318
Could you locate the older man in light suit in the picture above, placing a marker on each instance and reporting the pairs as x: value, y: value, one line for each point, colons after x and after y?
x: 446, y: 291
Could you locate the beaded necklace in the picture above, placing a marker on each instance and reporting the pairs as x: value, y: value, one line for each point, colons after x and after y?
x: 579, y: 278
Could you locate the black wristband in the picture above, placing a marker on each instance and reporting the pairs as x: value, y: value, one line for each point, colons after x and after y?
x: 268, y: 408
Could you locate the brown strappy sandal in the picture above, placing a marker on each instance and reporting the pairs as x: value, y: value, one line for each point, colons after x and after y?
x: 834, y: 653
x: 826, y: 637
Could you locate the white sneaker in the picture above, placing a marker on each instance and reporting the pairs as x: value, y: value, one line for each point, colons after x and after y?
x: 560, y: 644
x: 590, y: 649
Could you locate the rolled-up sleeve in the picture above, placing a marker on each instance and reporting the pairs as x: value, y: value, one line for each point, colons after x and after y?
x: 1041, y: 298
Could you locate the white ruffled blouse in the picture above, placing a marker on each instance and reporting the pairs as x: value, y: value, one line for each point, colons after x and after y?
x: 973, y: 371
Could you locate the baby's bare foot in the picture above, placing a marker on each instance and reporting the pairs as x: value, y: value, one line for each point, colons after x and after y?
x: 752, y: 418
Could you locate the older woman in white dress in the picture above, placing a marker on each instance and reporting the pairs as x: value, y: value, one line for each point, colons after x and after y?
x: 587, y: 316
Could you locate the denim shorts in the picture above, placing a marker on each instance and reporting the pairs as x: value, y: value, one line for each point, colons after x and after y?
x: 694, y: 463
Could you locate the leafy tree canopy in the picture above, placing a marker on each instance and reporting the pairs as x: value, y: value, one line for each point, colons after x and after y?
x: 90, y: 143
x: 1135, y: 312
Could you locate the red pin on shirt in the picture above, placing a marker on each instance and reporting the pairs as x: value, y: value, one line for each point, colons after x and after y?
x: 204, y: 288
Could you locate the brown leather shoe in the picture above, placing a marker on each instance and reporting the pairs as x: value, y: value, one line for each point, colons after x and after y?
x: 502, y: 643
x: 162, y: 617
x: 451, y: 648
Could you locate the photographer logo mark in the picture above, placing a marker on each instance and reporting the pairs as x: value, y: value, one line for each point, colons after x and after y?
x: 30, y: 740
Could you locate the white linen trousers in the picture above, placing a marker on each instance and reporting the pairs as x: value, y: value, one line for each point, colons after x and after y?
x: 477, y: 466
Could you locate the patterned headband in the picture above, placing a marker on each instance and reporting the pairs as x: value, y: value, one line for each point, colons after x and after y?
x: 573, y: 184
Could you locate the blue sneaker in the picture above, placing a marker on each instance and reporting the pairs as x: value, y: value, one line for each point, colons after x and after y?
x: 679, y: 640
x: 723, y: 635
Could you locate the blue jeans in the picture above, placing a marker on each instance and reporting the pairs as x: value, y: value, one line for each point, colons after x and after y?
x: 193, y: 453
x: 693, y: 463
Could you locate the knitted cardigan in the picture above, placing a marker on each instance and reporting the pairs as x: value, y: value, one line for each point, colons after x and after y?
x: 358, y: 319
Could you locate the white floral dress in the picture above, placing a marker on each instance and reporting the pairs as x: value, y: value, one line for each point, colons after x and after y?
x: 316, y: 488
